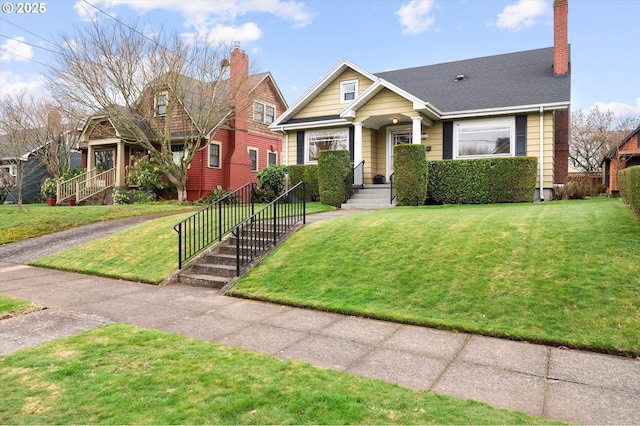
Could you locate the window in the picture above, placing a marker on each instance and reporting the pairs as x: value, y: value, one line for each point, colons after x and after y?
x: 325, y: 140
x: 263, y: 113
x: 161, y: 104
x: 272, y: 158
x: 103, y: 159
x: 258, y: 112
x: 484, y: 138
x: 253, y: 155
x: 270, y: 114
x: 348, y: 91
x: 179, y: 153
x: 214, y: 155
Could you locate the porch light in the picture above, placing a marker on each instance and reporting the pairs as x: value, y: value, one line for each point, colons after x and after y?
x: 394, y: 120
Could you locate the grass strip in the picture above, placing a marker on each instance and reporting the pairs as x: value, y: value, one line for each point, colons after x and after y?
x: 565, y: 273
x: 11, y: 306
x: 145, y: 253
x: 40, y: 219
x: 121, y: 374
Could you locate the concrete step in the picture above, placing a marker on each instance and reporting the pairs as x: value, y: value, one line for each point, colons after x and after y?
x: 213, y: 269
x: 219, y: 259
x: 201, y: 280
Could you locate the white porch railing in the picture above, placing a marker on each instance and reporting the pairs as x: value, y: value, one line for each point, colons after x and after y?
x: 85, y: 185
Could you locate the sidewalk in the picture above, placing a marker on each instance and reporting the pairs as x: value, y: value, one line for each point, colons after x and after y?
x: 567, y: 385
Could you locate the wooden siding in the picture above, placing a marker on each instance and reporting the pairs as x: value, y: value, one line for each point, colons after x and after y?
x: 386, y: 103
x: 533, y: 145
x: 328, y: 101
x: 265, y: 93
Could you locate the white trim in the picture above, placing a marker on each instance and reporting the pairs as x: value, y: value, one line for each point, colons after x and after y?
x: 504, y: 110
x: 357, y: 143
x: 272, y: 152
x: 315, y: 124
x: 327, y: 79
x: 511, y: 121
x: 541, y: 159
x: 344, y: 92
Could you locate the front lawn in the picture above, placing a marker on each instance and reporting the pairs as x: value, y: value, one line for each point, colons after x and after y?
x: 121, y: 374
x: 145, y: 253
x: 564, y: 272
x: 40, y: 219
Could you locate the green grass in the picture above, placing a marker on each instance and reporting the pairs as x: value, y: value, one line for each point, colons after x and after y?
x: 145, y: 253
x: 563, y: 273
x: 120, y: 374
x: 10, y: 306
x: 40, y: 219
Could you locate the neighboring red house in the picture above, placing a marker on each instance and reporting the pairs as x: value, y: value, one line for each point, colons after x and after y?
x: 236, y: 148
x: 626, y: 154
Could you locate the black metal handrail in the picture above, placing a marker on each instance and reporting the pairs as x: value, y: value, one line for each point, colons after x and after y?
x: 256, y: 234
x: 393, y: 189
x: 203, y: 228
x: 355, y: 178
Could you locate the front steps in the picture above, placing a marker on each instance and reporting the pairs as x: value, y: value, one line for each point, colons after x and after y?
x: 216, y: 267
x: 371, y: 197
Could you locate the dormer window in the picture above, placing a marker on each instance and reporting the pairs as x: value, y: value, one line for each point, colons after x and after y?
x: 348, y: 91
x: 264, y: 113
x: 161, y: 104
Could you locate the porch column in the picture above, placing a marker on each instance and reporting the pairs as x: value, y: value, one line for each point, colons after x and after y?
x: 120, y: 166
x: 91, y: 158
x: 357, y: 143
x: 416, y: 137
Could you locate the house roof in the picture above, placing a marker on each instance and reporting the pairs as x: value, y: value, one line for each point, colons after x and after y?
x: 612, y: 153
x: 490, y: 84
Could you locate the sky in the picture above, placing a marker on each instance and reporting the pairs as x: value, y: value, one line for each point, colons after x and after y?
x: 299, y: 41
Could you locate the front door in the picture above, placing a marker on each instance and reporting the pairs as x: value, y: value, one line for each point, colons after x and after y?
x: 396, y: 136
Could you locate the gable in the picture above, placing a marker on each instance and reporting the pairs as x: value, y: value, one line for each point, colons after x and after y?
x: 327, y: 102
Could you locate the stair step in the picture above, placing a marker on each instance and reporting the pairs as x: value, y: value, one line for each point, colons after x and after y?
x: 219, y: 258
x: 201, y: 280
x: 214, y: 269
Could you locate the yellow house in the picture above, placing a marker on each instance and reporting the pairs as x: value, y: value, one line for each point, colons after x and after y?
x: 516, y: 104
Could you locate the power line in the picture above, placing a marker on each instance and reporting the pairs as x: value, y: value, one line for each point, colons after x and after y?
x: 22, y: 56
x: 30, y: 32
x: 28, y: 44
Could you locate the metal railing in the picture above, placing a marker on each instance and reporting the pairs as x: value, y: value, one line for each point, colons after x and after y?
x: 256, y: 234
x: 205, y: 227
x: 393, y: 189
x: 355, y: 178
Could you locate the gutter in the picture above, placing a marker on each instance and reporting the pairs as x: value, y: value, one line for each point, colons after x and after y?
x: 541, y: 160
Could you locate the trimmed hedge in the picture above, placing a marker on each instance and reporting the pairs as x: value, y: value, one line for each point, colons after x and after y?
x: 629, y: 179
x: 483, y: 180
x: 307, y: 173
x: 410, y: 174
x: 333, y: 166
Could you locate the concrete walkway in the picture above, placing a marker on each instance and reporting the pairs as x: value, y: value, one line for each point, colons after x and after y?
x: 560, y: 384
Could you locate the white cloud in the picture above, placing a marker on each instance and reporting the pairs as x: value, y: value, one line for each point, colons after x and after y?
x: 12, y: 84
x: 244, y: 34
x: 14, y: 49
x: 414, y: 16
x: 522, y: 14
x: 621, y: 110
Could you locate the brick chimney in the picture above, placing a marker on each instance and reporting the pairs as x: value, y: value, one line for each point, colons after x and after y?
x: 238, y: 164
x: 560, y: 37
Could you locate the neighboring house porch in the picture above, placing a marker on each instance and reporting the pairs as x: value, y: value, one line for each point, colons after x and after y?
x: 626, y: 154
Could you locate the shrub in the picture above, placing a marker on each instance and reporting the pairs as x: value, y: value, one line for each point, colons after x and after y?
x: 482, y: 181
x: 72, y: 173
x: 629, y: 179
x: 410, y: 174
x: 216, y: 194
x: 307, y: 173
x: 271, y: 182
x: 333, y: 166
x: 121, y: 196
x: 49, y: 188
x: 147, y: 176
x: 143, y: 197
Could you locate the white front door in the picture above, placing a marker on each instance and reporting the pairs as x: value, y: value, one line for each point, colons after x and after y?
x: 396, y: 136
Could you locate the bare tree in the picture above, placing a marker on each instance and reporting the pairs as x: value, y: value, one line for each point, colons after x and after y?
x: 593, y: 134
x: 119, y: 71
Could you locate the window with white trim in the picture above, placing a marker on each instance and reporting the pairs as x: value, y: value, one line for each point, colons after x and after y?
x: 264, y: 113
x: 215, y: 150
x: 348, y: 91
x: 253, y: 156
x: 484, y: 138
x: 324, y: 140
x: 272, y: 158
x: 161, y: 104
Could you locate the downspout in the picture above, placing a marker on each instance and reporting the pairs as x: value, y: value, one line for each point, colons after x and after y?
x: 541, y: 160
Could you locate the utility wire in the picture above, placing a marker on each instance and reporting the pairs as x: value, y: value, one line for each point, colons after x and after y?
x: 28, y: 44
x: 22, y: 56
